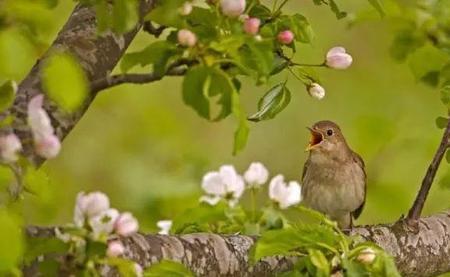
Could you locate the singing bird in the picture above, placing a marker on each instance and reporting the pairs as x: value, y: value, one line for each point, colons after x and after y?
x: 334, y: 180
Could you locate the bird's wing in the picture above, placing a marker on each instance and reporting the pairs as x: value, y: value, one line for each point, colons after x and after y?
x: 357, y: 158
x: 305, y: 168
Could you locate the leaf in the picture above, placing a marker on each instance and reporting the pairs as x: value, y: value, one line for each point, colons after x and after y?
x: 95, y: 249
x: 277, y: 242
x: 169, y: 269
x: 65, y: 81
x: 445, y: 95
x: 377, y: 5
x: 257, y: 56
x: 157, y: 54
x: 203, y: 23
x: 425, y: 60
x: 319, y: 260
x: 242, y: 132
x: 7, y: 94
x: 124, y: 266
x: 272, y: 103
x: 41, y: 246
x: 299, y: 25
x: 198, y: 218
x: 405, y: 43
x: 167, y: 13
x: 441, y: 122
x: 16, y: 54
x: 11, y: 241
x: 221, y: 85
x: 124, y: 15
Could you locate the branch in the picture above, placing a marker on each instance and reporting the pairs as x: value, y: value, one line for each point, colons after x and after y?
x: 152, y: 30
x: 421, y: 252
x: 416, y: 210
x: 98, y: 55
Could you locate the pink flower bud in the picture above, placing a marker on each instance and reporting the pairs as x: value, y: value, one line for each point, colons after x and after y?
x: 10, y: 146
x: 251, y: 26
x: 337, y: 58
x: 48, y: 147
x: 38, y: 119
x: 232, y: 8
x: 316, y: 91
x: 186, y: 9
x: 115, y: 249
x: 285, y: 37
x: 187, y: 38
x: 126, y: 224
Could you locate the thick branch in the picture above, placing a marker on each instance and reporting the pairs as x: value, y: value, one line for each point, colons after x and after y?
x: 416, y: 209
x: 420, y: 252
x: 98, y: 55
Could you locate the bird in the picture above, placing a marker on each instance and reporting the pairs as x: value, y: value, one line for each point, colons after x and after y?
x: 334, y: 180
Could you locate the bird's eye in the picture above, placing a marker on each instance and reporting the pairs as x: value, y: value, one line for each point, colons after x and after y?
x: 329, y: 132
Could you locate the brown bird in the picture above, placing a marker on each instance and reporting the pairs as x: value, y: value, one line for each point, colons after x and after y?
x: 334, y: 180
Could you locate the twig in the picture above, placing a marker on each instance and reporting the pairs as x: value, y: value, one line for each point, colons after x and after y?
x: 152, y: 30
x: 416, y: 209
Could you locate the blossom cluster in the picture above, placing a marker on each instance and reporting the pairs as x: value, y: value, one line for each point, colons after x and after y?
x: 226, y: 184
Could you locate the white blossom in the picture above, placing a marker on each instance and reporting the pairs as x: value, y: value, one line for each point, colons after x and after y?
x: 48, y: 147
x: 285, y: 195
x: 138, y: 270
x: 88, y: 206
x: 164, y: 226
x: 222, y: 184
x: 126, y: 224
x: 186, y: 9
x: 316, y: 91
x: 232, y: 8
x: 337, y: 58
x: 256, y: 175
x: 103, y: 223
x: 10, y: 146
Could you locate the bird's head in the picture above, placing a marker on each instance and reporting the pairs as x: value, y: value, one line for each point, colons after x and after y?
x: 327, y: 138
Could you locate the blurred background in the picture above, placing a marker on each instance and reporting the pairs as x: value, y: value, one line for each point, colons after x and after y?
x: 148, y: 151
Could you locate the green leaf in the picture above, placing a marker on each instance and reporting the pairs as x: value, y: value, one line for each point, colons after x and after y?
x: 167, y: 13
x: 203, y: 23
x: 272, y: 103
x: 445, y: 95
x: 95, y: 249
x: 36, y: 247
x: 319, y: 260
x: 221, y: 85
x: 157, y: 54
x: 16, y: 55
x: 124, y: 266
x: 11, y: 241
x: 199, y: 218
x: 7, y: 94
x: 124, y: 15
x: 257, y: 56
x: 277, y: 242
x: 242, y: 132
x: 405, y: 43
x: 299, y: 25
x: 169, y: 269
x: 194, y: 93
x: 260, y: 11
x: 441, y: 122
x: 65, y: 81
x: 377, y: 5
x: 427, y: 59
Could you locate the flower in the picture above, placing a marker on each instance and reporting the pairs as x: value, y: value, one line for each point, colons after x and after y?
x: 126, y: 224
x: 48, y: 147
x: 251, y: 25
x: 232, y: 8
x: 103, y: 223
x: 10, y: 146
x: 186, y: 9
x: 164, y: 226
x: 256, y: 174
x: 138, y: 270
x: 337, y: 58
x: 89, y: 205
x: 46, y: 143
x: 115, y: 249
x: 285, y: 195
x: 187, y: 38
x: 285, y: 37
x: 366, y: 256
x: 225, y: 183
x: 316, y: 91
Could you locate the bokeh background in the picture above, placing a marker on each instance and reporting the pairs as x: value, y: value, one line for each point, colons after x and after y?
x: 148, y: 151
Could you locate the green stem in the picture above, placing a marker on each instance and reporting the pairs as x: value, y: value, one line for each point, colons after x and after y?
x: 297, y: 77
x: 305, y: 64
x: 253, y: 203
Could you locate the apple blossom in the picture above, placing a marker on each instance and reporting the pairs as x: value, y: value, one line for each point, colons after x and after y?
x: 316, y: 91
x: 48, y: 147
x: 186, y: 9
x: 115, y: 249
x: 164, y: 226
x: 285, y: 37
x: 232, y: 8
x: 285, y: 195
x: 10, y: 146
x: 103, y: 223
x: 126, y: 224
x: 138, y: 270
x: 366, y: 256
x: 89, y: 205
x: 256, y: 174
x: 251, y: 25
x: 187, y: 38
x: 222, y: 184
x: 337, y: 58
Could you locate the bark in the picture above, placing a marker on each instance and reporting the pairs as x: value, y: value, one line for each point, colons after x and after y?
x: 423, y: 250
x: 97, y: 54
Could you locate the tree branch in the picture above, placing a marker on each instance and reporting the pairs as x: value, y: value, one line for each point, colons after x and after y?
x: 420, y: 252
x: 152, y: 30
x: 416, y: 210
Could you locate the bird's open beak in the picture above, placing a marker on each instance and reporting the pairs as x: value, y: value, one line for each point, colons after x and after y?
x: 316, y: 139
